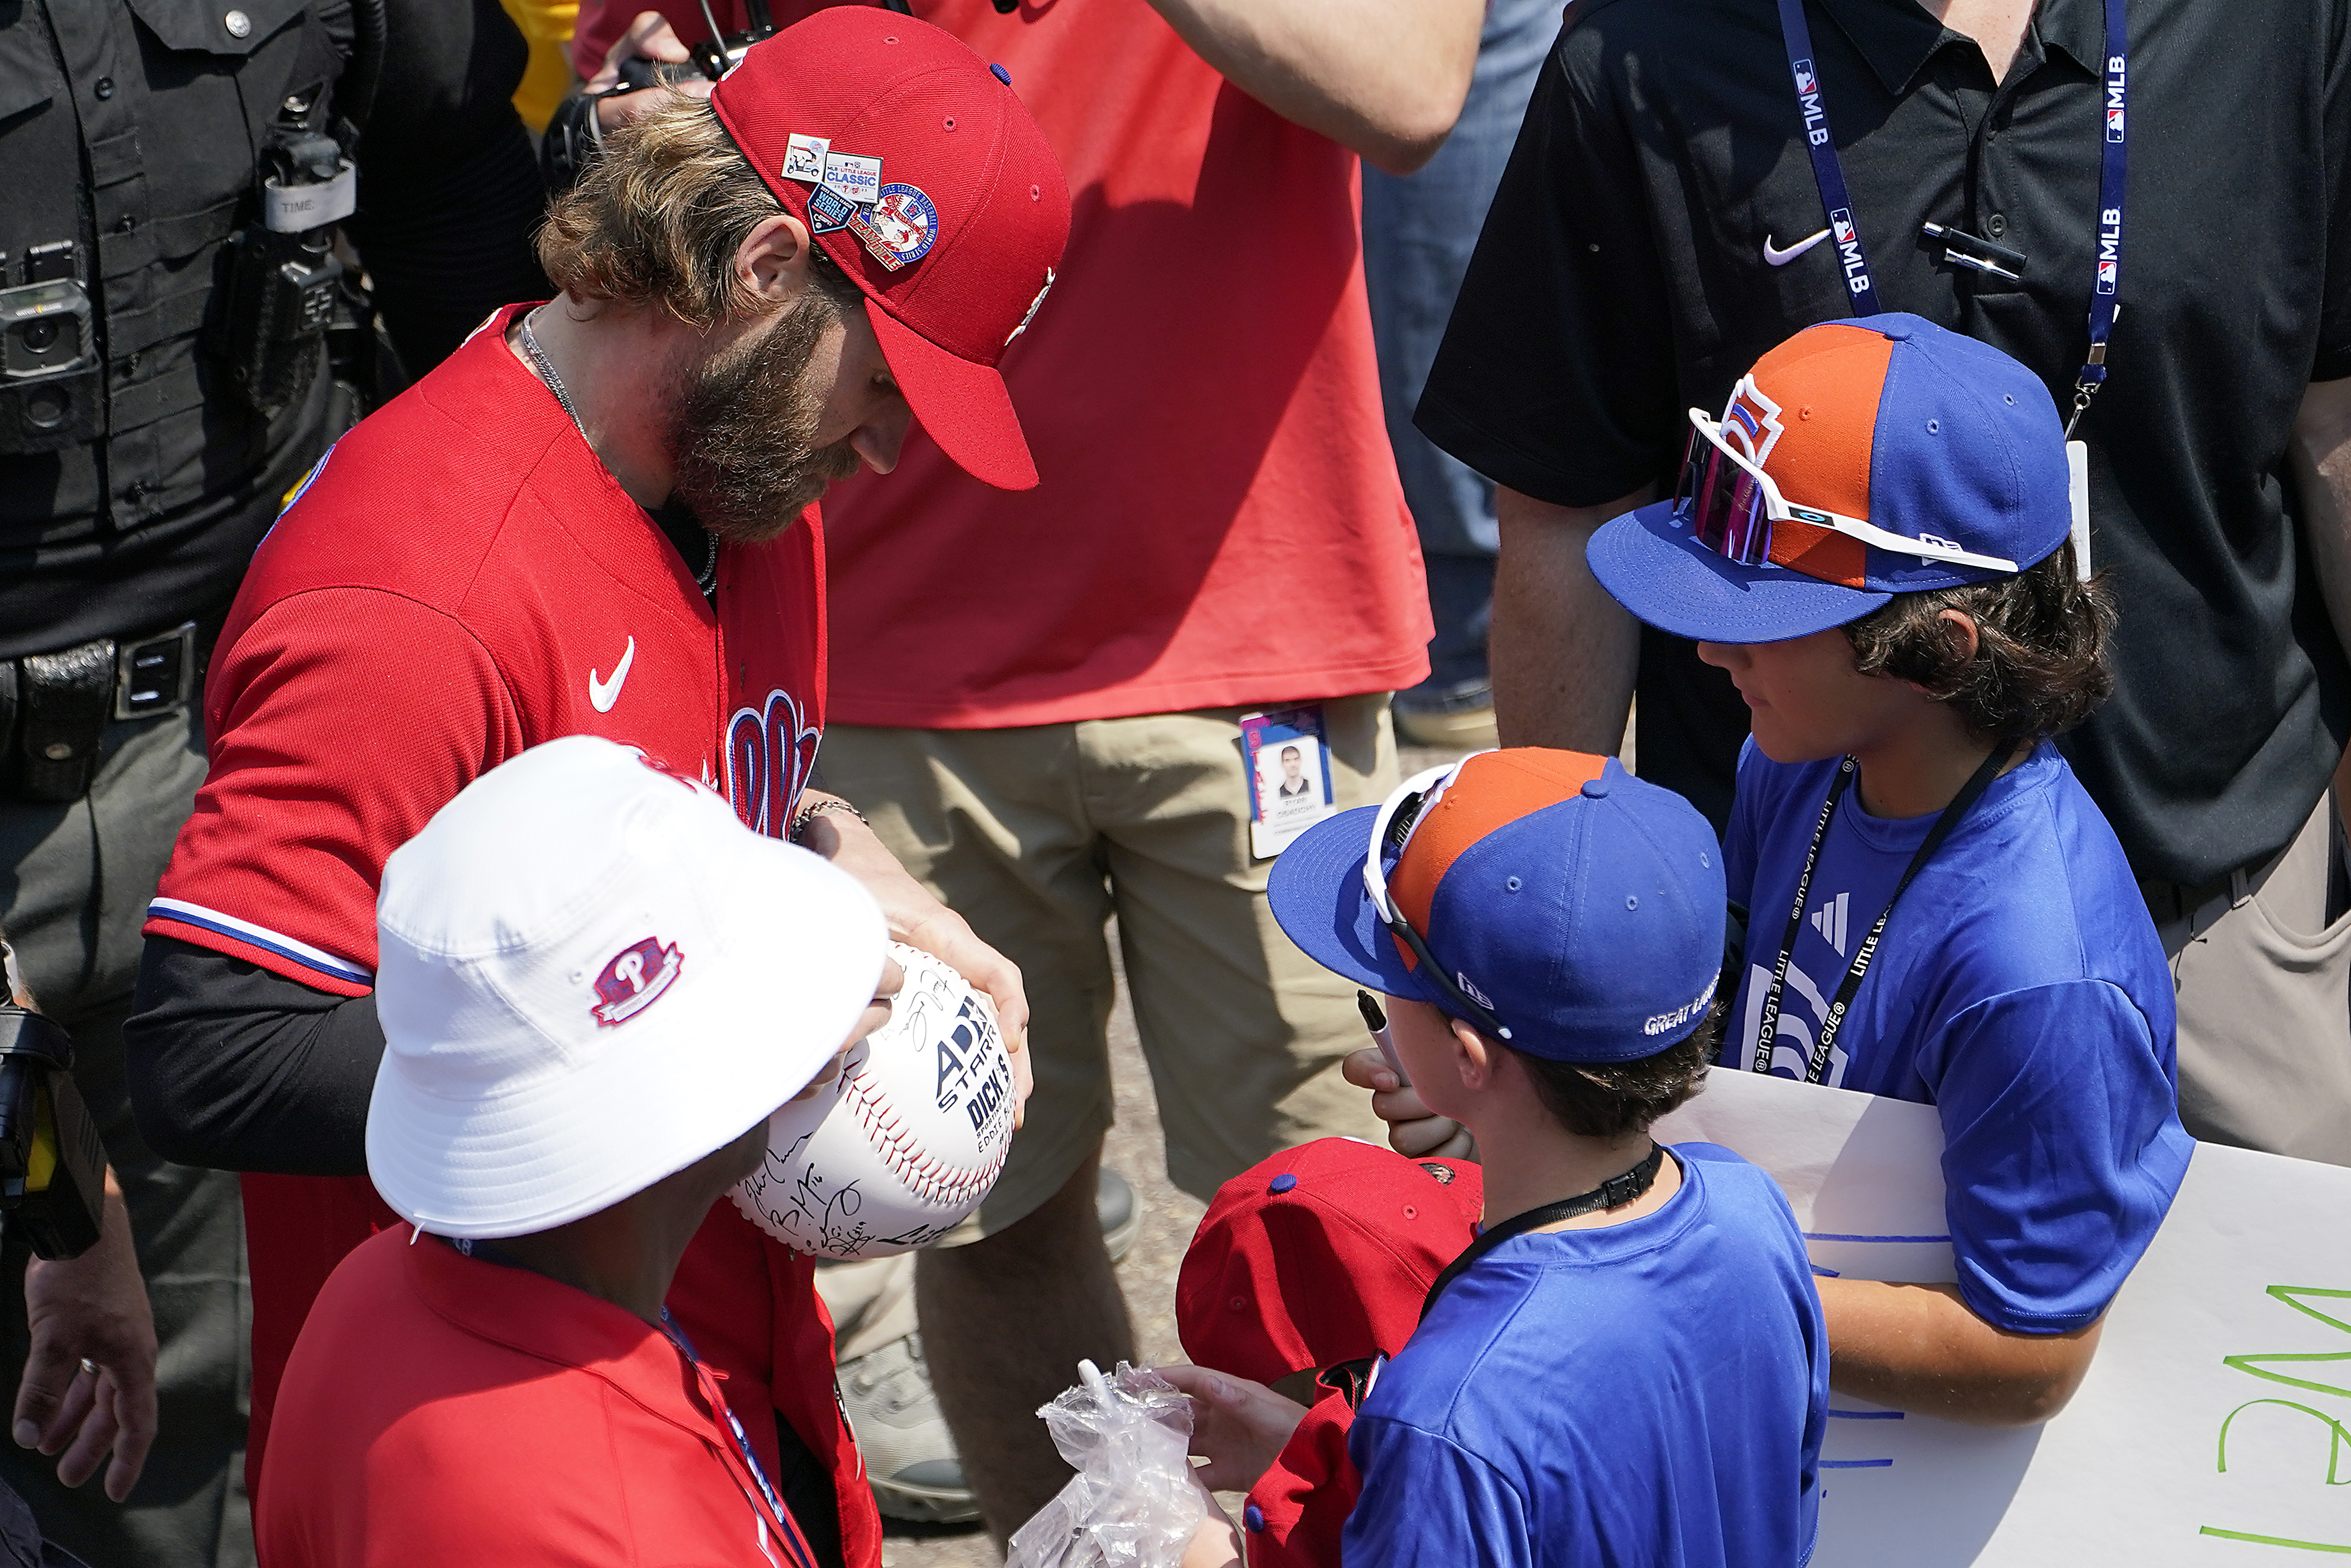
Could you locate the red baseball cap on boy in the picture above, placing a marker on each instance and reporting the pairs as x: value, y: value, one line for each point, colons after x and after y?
x: 919, y: 172
x: 1320, y: 1254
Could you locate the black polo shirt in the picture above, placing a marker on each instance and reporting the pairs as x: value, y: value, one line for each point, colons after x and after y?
x: 1621, y: 280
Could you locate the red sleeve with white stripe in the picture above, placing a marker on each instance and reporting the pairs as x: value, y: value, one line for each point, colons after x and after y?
x: 340, y: 721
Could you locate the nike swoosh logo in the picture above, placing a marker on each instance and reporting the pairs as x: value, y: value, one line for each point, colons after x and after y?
x: 1775, y: 256
x: 602, y: 695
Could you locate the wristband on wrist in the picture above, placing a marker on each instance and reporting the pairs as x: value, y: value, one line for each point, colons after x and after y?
x: 809, y: 814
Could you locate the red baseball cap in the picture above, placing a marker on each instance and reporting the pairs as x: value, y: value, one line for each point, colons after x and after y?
x: 920, y: 174
x: 1321, y: 1254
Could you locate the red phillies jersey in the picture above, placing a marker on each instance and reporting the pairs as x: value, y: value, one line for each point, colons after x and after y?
x: 1218, y: 518
x: 446, y: 1410
x: 458, y: 581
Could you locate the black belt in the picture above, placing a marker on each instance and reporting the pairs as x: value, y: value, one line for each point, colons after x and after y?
x: 55, y: 707
x: 2170, y: 901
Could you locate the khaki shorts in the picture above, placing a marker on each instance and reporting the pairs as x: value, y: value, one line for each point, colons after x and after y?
x: 1039, y: 835
x: 2264, y: 985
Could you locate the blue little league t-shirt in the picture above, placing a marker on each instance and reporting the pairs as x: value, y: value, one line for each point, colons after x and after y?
x: 2019, y: 988
x: 1651, y: 1393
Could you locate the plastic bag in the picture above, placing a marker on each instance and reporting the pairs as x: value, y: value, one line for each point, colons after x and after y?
x: 1133, y: 1503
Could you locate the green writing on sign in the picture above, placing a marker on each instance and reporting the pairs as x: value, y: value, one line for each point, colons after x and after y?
x: 2339, y: 1439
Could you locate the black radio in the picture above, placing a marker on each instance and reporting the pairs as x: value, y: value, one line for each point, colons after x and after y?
x: 52, y: 1163
x: 280, y: 277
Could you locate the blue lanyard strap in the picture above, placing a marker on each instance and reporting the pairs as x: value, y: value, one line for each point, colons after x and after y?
x: 1828, y: 173
x: 2105, y: 294
x: 790, y: 1535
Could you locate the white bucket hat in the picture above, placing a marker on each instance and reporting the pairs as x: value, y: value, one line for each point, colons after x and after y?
x: 589, y: 976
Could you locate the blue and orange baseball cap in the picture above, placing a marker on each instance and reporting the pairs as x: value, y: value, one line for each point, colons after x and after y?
x: 1551, y: 898
x: 1857, y: 460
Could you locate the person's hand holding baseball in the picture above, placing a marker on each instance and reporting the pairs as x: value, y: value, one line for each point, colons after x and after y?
x: 919, y: 920
x: 1414, y: 1130
x: 88, y: 1387
x: 649, y: 37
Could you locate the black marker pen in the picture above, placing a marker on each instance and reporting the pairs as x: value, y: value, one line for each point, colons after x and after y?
x: 1377, y: 1022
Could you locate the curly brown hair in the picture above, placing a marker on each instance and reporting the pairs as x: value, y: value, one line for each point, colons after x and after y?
x: 657, y: 219
x: 2038, y: 667
x: 1615, y: 1099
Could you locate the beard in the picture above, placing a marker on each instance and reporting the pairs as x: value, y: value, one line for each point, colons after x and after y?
x: 743, y: 430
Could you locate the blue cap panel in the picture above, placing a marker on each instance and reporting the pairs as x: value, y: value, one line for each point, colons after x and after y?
x: 1968, y: 448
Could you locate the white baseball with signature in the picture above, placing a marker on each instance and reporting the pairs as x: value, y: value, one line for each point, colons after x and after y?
x: 898, y: 1149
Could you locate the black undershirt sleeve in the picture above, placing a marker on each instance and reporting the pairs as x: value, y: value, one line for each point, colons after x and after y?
x: 450, y: 194
x: 234, y: 1068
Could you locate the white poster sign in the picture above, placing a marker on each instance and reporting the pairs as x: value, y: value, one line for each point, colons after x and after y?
x: 2214, y: 1426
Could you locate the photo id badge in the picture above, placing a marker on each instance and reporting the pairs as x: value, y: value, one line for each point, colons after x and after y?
x: 1289, y: 765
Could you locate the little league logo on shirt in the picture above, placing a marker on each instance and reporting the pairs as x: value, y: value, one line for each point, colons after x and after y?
x: 1825, y: 942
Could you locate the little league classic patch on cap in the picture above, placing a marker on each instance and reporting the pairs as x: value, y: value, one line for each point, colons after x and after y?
x: 1582, y: 907
x: 590, y: 975
x: 1881, y: 436
x: 920, y: 174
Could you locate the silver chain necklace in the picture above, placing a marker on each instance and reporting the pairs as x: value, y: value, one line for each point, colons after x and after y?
x: 706, y: 578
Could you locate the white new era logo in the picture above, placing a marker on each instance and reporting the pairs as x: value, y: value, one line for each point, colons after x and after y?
x: 1829, y: 921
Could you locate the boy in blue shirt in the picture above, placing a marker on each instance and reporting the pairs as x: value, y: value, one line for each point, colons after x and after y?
x: 1628, y: 1365
x: 1874, y: 543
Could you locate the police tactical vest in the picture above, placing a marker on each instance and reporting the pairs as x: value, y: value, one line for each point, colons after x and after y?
x: 136, y: 473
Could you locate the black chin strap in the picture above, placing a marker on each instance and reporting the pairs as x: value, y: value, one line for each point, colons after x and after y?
x: 1614, y: 1193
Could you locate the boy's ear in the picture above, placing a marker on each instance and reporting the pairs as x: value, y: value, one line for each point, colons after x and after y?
x: 1959, y: 627
x: 1474, y: 1054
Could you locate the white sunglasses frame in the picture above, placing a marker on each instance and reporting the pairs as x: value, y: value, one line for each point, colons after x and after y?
x: 1778, y: 509
x: 1429, y: 785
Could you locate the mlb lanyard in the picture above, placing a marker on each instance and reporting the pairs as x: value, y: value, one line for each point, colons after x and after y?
x: 1828, y: 173
x: 790, y: 1535
x: 1768, y: 1029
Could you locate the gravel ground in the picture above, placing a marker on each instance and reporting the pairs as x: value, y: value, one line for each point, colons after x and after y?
x: 1147, y: 1272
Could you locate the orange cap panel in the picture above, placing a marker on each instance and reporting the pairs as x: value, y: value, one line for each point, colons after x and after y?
x: 1826, y: 382
x: 1493, y: 790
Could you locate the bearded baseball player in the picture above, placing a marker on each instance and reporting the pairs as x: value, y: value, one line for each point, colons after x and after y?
x: 598, y: 516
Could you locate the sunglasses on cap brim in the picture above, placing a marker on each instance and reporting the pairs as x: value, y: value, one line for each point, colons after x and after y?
x: 1392, y: 830
x: 1731, y: 506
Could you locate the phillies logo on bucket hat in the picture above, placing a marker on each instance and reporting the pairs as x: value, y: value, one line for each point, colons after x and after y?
x: 634, y: 980
x: 925, y: 179
x: 1561, y: 905
x: 1857, y: 460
